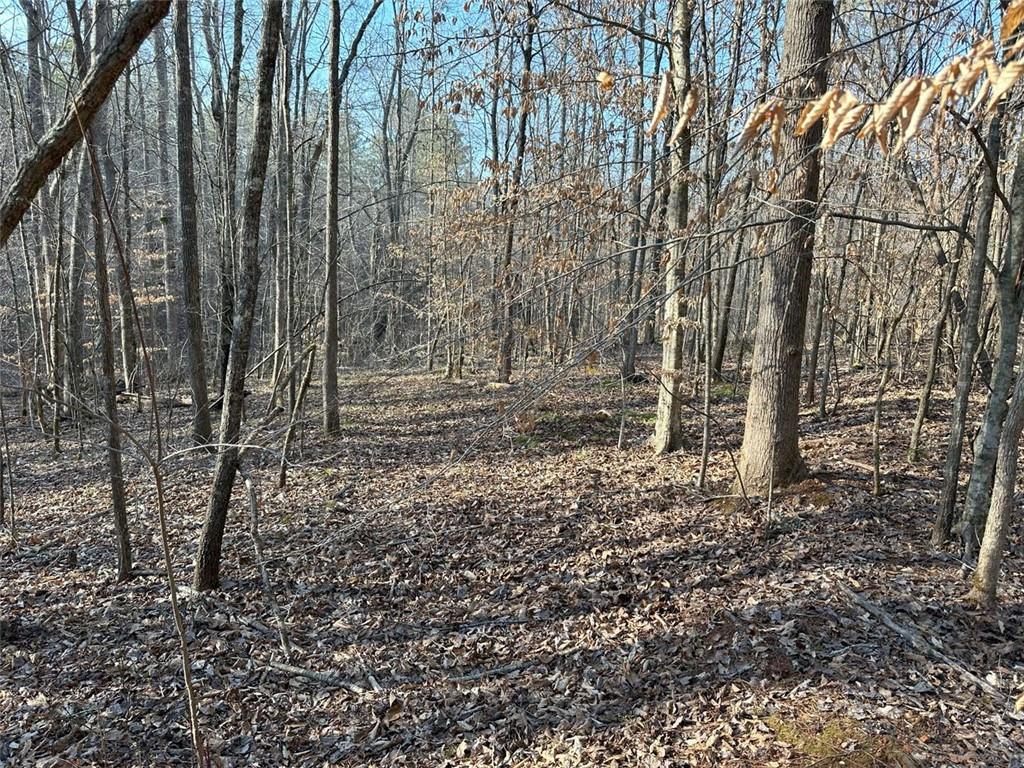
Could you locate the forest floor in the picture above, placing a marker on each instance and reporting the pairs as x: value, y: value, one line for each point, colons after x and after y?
x: 549, y: 599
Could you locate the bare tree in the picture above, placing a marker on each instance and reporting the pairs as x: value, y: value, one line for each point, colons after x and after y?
x: 207, y: 570
x: 189, y: 234
x: 137, y: 23
x: 668, y: 433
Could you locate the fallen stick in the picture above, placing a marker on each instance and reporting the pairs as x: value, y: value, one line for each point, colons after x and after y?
x: 327, y: 678
x: 918, y: 641
x: 495, y: 672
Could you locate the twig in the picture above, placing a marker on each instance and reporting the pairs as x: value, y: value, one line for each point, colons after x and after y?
x: 327, y: 678
x: 496, y: 672
x: 918, y: 641
x: 254, y: 532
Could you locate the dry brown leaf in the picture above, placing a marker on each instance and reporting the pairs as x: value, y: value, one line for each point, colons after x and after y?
x: 868, y: 129
x: 845, y: 123
x: 1012, y: 18
x: 945, y: 82
x: 983, y: 49
x: 970, y: 71
x: 925, y: 99
x: 813, y: 111
x: 606, y: 80
x: 882, y: 135
x: 903, y: 93
x: 661, y: 104
x: 986, y: 86
x: 841, y: 105
x: 761, y: 113
x: 1009, y: 54
x: 686, y: 113
x: 1007, y: 78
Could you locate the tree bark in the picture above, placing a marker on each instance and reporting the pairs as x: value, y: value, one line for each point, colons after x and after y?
x: 163, y: 99
x: 668, y: 434
x: 771, y: 452
x: 137, y: 23
x: 1000, y: 509
x: 201, y: 429
x: 330, y: 376
x: 943, y: 524
x: 1008, y: 284
x: 207, y: 569
x: 506, y: 330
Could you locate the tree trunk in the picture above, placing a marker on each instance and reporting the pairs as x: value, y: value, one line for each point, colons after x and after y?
x: 1000, y: 510
x: 771, y: 451
x: 331, y: 419
x: 1008, y: 284
x: 943, y: 524
x: 668, y: 435
x: 164, y: 174
x: 207, y: 569
x: 201, y: 429
x: 506, y: 330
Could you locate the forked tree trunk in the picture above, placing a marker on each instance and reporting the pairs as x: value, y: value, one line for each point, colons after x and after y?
x: 1008, y: 284
x: 943, y: 523
x: 771, y: 450
x: 207, y: 570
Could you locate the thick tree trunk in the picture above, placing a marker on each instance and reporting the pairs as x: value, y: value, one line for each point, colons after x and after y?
x: 201, y: 429
x: 771, y: 451
x: 207, y: 570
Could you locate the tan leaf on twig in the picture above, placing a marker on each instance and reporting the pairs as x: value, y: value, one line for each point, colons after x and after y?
x: 661, y: 104
x: 685, y: 114
x: 1007, y: 78
x: 761, y: 113
x: 925, y: 99
x: 903, y: 93
x: 813, y: 111
x: 843, y: 124
x: 1012, y: 18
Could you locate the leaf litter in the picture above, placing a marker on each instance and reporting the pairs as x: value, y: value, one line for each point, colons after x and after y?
x: 547, y: 600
